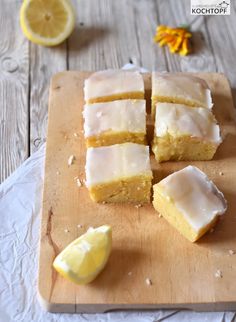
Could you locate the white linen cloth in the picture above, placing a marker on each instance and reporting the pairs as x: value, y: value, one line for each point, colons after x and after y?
x: 20, y: 203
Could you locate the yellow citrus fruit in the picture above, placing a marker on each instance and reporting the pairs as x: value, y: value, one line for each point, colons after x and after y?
x: 83, y: 259
x: 47, y: 22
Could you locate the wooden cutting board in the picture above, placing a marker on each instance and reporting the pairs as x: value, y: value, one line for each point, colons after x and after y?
x: 144, y: 245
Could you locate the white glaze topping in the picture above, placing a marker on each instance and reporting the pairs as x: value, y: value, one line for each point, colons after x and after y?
x: 194, y: 195
x: 186, y: 87
x: 109, y: 163
x: 112, y: 81
x: 117, y: 116
x: 178, y: 120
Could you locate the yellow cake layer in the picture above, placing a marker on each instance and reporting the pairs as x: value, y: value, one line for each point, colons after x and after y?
x: 120, y: 96
x: 134, y: 189
x: 111, y: 137
x: 174, y: 100
x: 168, y: 210
x: 182, y: 148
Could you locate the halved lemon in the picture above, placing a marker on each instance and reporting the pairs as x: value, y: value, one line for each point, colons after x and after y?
x: 83, y: 259
x: 47, y: 22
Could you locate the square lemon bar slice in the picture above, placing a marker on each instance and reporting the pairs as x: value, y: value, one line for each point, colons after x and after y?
x: 119, y: 173
x: 115, y: 122
x: 181, y: 89
x: 111, y: 84
x: 189, y: 201
x: 183, y: 133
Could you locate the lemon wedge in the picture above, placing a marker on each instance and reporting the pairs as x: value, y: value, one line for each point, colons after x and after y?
x: 83, y: 259
x: 47, y: 22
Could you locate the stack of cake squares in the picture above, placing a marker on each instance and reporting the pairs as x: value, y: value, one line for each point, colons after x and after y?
x: 185, y: 127
x: 117, y: 161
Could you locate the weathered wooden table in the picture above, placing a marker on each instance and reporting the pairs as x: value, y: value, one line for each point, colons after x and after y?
x: 109, y: 33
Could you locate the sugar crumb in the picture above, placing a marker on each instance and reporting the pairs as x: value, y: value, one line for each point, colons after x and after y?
x: 58, y: 172
x: 79, y: 183
x: 138, y: 188
x: 99, y: 114
x: 66, y: 230
x: 104, y: 202
x: 160, y: 215
x: 80, y: 226
x: 71, y: 160
x: 138, y: 206
x: 76, y: 135
x: 218, y: 274
x: 148, y: 281
x: 231, y: 252
x: 221, y: 173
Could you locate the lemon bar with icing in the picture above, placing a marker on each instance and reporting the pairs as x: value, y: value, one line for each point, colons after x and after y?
x: 189, y: 201
x: 111, y: 84
x: 183, y: 133
x: 115, y: 122
x: 181, y: 89
x: 119, y: 173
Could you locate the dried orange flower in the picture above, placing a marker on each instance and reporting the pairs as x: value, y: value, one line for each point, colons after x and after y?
x: 177, y: 39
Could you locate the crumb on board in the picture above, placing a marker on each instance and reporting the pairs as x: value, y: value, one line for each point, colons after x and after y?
x: 71, y: 159
x: 104, y: 202
x: 79, y: 183
x: 218, y: 274
x: 58, y: 172
x: 231, y: 252
x: 66, y: 230
x: 160, y: 215
x: 80, y: 226
x: 82, y: 131
x: 99, y: 114
x: 148, y: 281
x: 130, y: 273
x: 76, y: 135
x: 221, y: 173
x: 138, y: 206
x: 212, y: 230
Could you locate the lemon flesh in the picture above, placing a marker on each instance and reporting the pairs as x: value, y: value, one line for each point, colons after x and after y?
x: 83, y: 259
x: 47, y: 22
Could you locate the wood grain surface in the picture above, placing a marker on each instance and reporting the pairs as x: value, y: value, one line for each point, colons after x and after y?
x: 108, y: 34
x: 14, y: 87
x: 182, y: 273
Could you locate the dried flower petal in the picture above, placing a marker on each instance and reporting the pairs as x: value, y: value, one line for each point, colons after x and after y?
x: 177, y: 39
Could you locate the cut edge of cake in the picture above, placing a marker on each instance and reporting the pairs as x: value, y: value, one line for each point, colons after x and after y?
x: 180, y: 98
x: 186, y: 134
x: 115, y: 122
x: 119, y: 173
x: 177, y: 209
x: 113, y: 84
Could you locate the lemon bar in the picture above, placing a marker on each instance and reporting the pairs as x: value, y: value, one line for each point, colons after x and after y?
x: 115, y: 122
x: 183, y: 133
x: 119, y: 173
x: 181, y: 89
x: 189, y: 201
x: 111, y: 84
